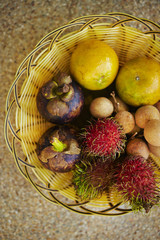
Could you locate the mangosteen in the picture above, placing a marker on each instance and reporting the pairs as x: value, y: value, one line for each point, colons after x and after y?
x: 58, y: 149
x: 60, y: 100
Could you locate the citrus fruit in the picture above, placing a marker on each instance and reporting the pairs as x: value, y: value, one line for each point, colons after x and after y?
x: 138, y: 82
x: 94, y: 64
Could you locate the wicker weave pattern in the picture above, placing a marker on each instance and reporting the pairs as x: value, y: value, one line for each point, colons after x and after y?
x: 51, y: 55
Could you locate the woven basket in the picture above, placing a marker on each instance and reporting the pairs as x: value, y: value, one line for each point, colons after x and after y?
x: 129, y: 37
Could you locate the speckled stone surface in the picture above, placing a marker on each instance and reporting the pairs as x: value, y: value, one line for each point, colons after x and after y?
x: 24, y: 214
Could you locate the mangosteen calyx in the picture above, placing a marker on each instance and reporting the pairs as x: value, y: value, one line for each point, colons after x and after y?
x: 48, y: 90
x: 59, y: 88
x: 69, y: 146
x: 59, y: 150
x: 60, y: 100
x: 57, y: 108
x: 46, y: 154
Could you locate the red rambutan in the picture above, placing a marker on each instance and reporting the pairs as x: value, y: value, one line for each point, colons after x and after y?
x: 91, y: 177
x: 137, y: 182
x: 104, y: 138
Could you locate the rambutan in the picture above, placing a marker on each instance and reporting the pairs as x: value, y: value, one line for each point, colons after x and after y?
x: 104, y: 138
x: 92, y: 177
x: 136, y: 181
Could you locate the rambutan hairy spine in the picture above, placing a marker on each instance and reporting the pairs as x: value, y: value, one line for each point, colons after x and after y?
x: 137, y: 182
x: 91, y: 177
x: 103, y: 138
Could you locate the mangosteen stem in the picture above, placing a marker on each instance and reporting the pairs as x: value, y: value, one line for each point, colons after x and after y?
x: 62, y: 89
x: 58, y: 145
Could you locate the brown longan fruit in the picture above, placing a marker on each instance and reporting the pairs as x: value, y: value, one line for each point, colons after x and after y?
x: 126, y: 120
x: 101, y: 107
x: 146, y: 113
x: 155, y: 150
x: 137, y: 146
x: 136, y: 129
x: 152, y: 132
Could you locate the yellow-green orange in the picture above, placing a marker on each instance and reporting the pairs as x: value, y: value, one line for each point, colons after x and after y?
x: 94, y: 64
x: 138, y: 82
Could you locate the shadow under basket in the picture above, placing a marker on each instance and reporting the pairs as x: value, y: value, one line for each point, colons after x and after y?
x: 130, y: 37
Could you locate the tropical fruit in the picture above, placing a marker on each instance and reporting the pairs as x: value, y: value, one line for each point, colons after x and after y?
x: 137, y: 183
x: 138, y: 82
x: 94, y: 64
x: 103, y: 137
x: 101, y: 107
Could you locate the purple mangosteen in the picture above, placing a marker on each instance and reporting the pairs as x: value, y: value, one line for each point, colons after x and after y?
x: 58, y: 149
x: 60, y: 100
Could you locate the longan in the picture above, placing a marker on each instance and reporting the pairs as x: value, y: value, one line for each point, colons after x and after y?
x: 146, y: 113
x: 155, y: 150
x: 152, y: 132
x: 126, y: 120
x: 101, y: 107
x: 137, y: 146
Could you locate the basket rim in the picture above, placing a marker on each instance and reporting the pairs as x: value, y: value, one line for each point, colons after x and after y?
x: 25, y: 68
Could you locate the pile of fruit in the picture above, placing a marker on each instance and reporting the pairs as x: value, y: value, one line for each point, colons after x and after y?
x: 119, y: 110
